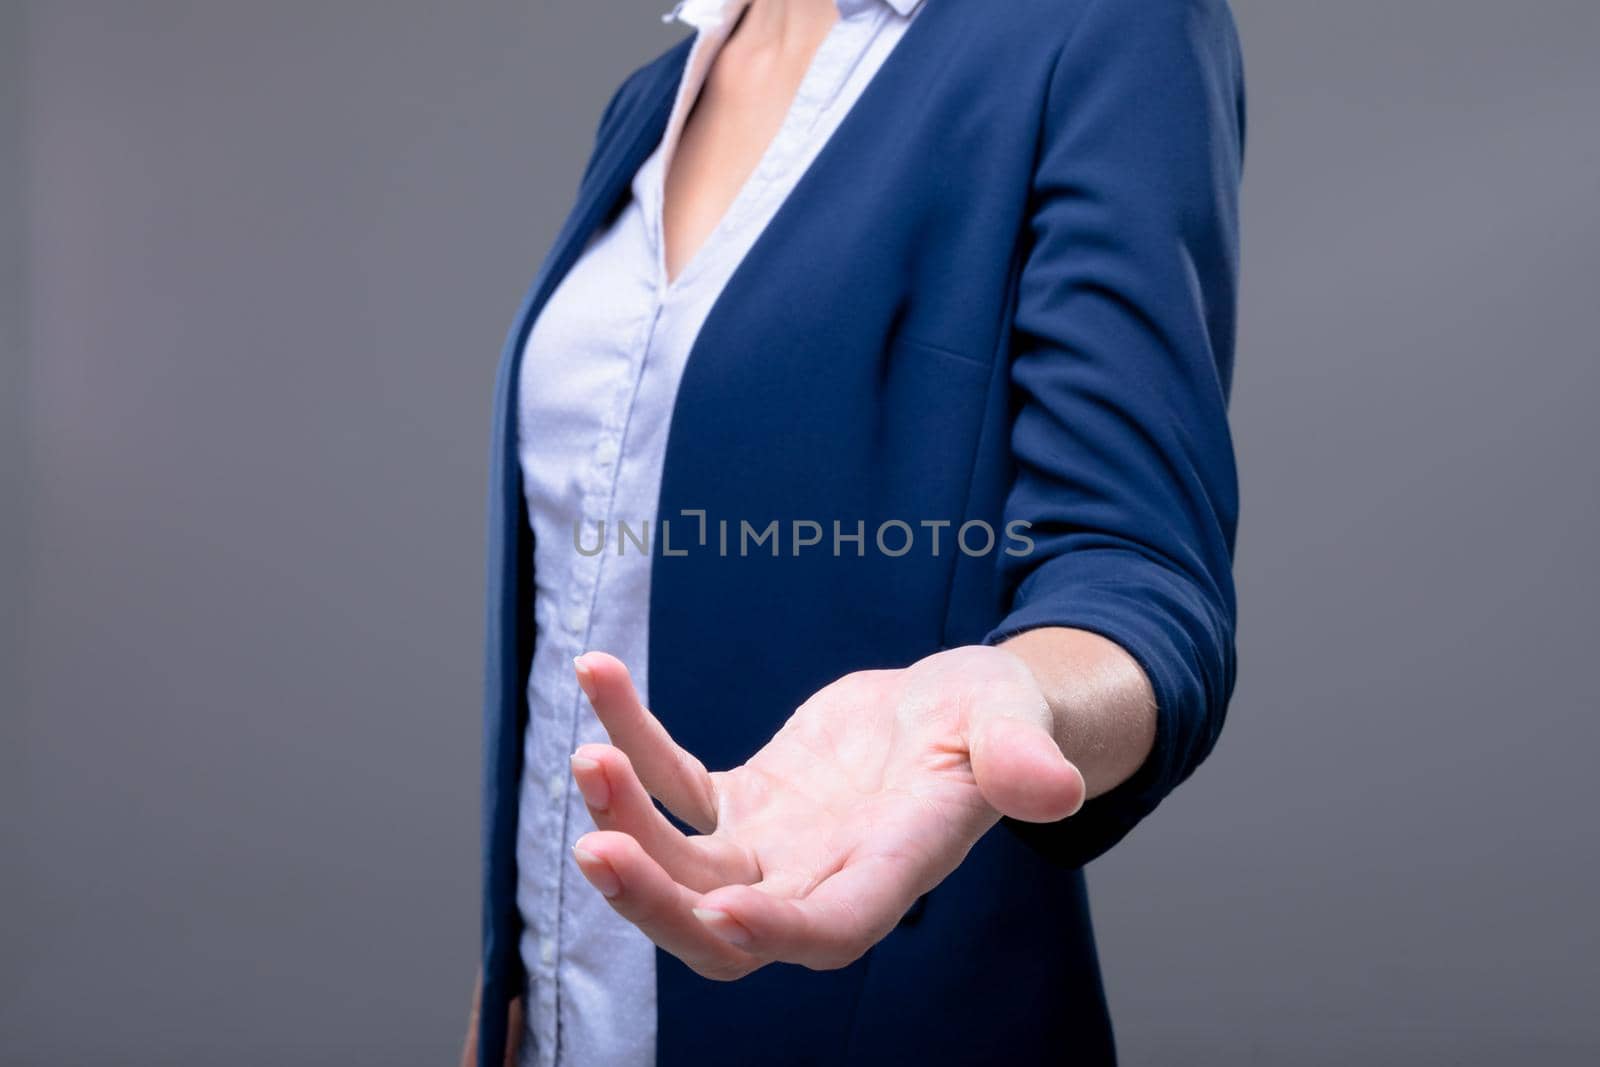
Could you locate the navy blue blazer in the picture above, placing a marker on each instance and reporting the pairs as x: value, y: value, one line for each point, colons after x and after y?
x: 1005, y: 291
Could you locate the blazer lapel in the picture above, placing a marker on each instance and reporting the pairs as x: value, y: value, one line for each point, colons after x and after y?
x: 608, y: 178
x: 635, y: 133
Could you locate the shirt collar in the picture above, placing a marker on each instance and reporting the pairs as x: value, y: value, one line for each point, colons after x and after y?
x: 704, y: 14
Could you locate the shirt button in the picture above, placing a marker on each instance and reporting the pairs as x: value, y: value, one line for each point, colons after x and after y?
x: 557, y: 786
x: 547, y: 950
x: 575, y: 620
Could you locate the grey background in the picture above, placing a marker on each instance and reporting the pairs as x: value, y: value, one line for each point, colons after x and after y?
x: 258, y: 259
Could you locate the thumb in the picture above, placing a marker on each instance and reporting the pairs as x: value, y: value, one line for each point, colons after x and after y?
x: 1021, y: 772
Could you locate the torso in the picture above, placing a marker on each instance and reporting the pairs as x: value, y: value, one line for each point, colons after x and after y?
x: 856, y: 366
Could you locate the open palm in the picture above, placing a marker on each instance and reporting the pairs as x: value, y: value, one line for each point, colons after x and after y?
x: 872, y: 792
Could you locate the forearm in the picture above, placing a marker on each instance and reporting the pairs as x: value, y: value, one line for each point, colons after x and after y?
x: 1103, y: 707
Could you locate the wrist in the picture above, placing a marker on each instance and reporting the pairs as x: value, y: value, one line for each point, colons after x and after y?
x: 1101, y: 705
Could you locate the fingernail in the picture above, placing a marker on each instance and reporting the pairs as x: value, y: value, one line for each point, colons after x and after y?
x: 723, y: 925
x: 598, y: 871
x: 585, y: 677
x: 594, y: 787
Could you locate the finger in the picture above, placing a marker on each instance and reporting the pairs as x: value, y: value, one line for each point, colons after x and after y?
x: 832, y: 926
x: 617, y: 801
x: 669, y: 773
x: 644, y: 894
x: 1021, y: 772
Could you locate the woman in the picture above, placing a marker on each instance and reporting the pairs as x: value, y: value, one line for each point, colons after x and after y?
x: 870, y: 410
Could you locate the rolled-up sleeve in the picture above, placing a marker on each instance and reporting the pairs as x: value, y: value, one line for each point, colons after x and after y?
x: 1121, y: 366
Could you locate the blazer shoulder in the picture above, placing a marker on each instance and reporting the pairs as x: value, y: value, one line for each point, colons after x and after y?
x: 1059, y: 20
x: 648, y: 83
x: 1151, y: 45
x: 1051, y: 40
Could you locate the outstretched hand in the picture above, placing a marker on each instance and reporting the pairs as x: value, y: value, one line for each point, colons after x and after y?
x: 870, y: 795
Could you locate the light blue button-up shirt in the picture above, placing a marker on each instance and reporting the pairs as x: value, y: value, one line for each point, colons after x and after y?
x: 599, y: 377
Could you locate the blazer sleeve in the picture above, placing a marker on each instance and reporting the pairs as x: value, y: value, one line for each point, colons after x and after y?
x: 1121, y: 364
